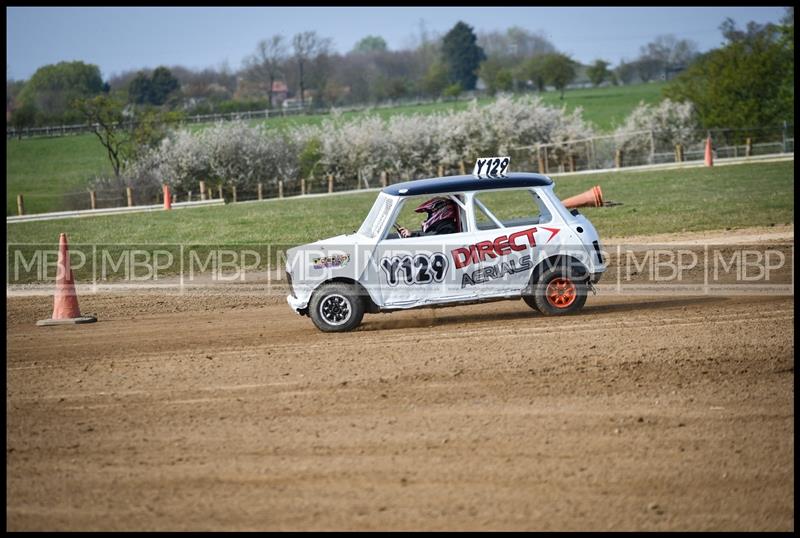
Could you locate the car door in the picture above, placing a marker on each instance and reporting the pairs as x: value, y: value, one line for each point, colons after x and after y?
x: 416, y: 271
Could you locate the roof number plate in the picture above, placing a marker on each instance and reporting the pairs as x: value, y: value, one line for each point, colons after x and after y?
x: 491, y: 167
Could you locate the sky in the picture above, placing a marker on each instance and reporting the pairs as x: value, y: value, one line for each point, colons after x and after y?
x: 123, y: 39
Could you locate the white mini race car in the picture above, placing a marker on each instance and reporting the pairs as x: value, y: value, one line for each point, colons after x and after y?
x: 487, y: 236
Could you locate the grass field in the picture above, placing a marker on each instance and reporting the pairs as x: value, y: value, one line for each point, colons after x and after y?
x: 605, y: 107
x: 653, y: 202
x: 44, y: 169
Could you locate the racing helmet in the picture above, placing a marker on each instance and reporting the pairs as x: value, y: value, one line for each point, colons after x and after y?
x: 439, y: 209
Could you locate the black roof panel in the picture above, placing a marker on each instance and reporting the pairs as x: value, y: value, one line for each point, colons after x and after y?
x: 439, y: 185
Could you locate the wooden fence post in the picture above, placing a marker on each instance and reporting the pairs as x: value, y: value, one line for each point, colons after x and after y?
x: 330, y: 182
x: 219, y: 188
x: 748, y: 148
x: 302, y: 186
x: 618, y: 159
x: 234, y: 193
x: 280, y: 188
x: 678, y: 153
x: 260, y: 191
x: 572, y: 163
x: 93, y: 199
x: 441, y: 170
x: 210, y: 193
x: 202, y: 190
x: 384, y: 179
x: 129, y: 192
x: 20, y: 205
x: 462, y: 168
x: 189, y: 196
x: 543, y: 160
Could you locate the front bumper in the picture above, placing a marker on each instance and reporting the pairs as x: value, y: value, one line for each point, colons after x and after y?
x: 297, y: 305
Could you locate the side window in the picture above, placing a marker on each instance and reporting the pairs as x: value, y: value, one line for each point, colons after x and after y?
x: 408, y: 218
x: 515, y: 207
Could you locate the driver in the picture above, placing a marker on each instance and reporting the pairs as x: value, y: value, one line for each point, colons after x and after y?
x: 442, y: 213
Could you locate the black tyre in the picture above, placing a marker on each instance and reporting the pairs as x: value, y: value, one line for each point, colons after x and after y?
x: 336, y: 307
x: 529, y: 300
x: 560, y: 290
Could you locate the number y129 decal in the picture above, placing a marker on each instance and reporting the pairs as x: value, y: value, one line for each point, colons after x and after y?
x: 419, y: 269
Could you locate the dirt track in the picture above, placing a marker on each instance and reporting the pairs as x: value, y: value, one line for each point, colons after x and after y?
x: 652, y: 413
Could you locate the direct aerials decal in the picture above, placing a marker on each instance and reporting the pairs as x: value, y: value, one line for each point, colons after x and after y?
x: 497, y: 248
x: 485, y: 274
x: 500, y: 246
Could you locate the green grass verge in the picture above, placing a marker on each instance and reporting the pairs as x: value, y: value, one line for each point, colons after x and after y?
x: 694, y: 199
x: 43, y: 170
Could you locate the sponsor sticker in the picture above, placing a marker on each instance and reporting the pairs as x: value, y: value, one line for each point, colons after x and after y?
x: 331, y: 262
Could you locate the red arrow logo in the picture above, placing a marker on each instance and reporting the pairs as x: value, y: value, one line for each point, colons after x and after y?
x: 553, y: 232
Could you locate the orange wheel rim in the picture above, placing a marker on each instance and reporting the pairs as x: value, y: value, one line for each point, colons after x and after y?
x: 561, y: 292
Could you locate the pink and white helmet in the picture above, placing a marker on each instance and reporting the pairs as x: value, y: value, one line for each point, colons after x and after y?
x: 438, y: 209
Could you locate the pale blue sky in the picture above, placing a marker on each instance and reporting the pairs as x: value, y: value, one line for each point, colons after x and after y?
x: 121, y: 39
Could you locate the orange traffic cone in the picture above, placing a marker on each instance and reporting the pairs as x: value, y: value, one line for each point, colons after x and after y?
x: 709, y: 154
x: 167, y: 198
x: 65, y: 303
x: 591, y: 198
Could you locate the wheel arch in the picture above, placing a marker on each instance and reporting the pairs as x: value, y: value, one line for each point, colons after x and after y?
x: 369, y: 304
x: 555, y: 261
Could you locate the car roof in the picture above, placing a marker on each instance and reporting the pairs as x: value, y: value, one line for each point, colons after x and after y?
x: 439, y: 185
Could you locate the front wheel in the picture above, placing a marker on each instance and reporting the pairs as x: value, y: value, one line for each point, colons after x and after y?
x: 336, y: 307
x: 558, y: 292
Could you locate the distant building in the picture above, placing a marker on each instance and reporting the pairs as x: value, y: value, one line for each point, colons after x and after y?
x: 252, y: 90
x: 279, y: 92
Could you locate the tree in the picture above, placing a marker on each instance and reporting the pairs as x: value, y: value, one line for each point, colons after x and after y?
x: 747, y: 83
x: 154, y: 89
x: 307, y: 45
x: 266, y: 65
x: 462, y: 55
x: 139, y: 89
x: 495, y: 76
x: 625, y: 71
x: 598, y: 72
x: 22, y: 117
x: 666, y: 54
x: 104, y: 114
x: 162, y: 84
x: 369, y: 44
x: 53, y: 88
x: 452, y: 91
x: 648, y: 68
x: 125, y: 139
x: 534, y: 69
x: 559, y: 70
x: 514, y: 46
x: 435, y: 80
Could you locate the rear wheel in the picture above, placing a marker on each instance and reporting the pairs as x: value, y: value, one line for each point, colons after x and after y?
x: 336, y: 307
x: 560, y: 291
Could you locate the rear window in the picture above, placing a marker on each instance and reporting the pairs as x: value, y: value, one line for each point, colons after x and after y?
x: 511, y: 207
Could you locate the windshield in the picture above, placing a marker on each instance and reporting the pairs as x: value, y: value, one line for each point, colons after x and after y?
x: 376, y: 220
